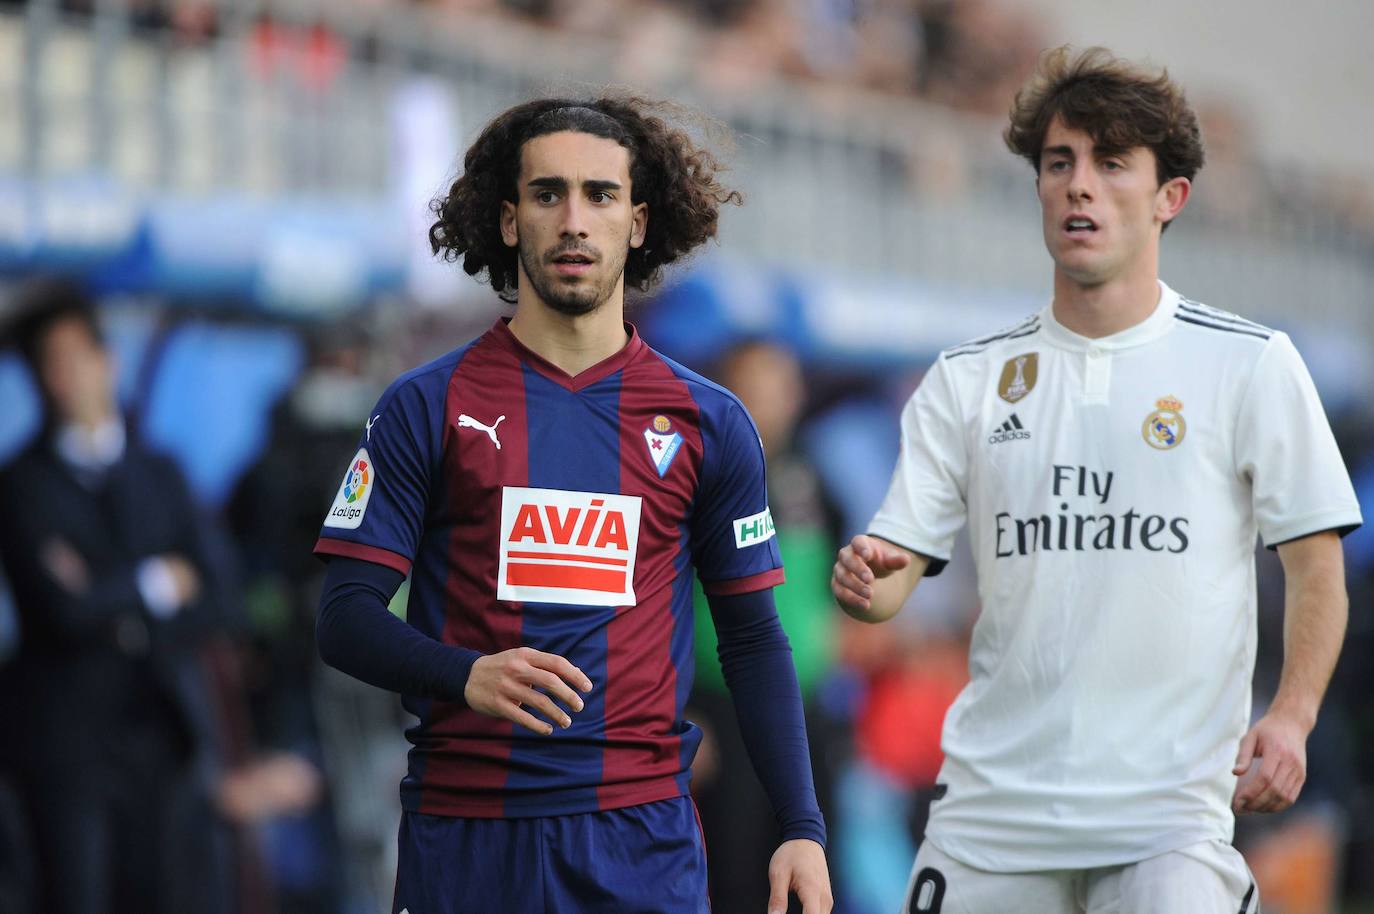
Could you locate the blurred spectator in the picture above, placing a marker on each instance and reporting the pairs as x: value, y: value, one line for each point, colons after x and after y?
x: 116, y: 585
x: 736, y: 815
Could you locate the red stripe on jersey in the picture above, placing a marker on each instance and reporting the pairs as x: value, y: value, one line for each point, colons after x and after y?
x: 641, y: 678
x: 567, y: 557
x: 602, y: 579
x: 327, y: 545
x: 771, y: 578
x: 470, y: 751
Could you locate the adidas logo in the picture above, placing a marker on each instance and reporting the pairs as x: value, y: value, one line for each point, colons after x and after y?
x: 1011, y: 430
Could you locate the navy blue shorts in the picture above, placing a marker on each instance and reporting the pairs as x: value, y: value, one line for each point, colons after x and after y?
x: 647, y: 859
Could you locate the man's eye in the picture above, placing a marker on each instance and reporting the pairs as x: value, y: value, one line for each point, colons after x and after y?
x: 546, y: 196
x: 1059, y: 165
x: 600, y: 196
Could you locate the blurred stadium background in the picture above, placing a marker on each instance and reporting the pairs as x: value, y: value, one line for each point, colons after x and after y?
x: 244, y: 186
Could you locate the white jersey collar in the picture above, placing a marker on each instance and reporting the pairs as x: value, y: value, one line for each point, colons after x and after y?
x: 1148, y: 330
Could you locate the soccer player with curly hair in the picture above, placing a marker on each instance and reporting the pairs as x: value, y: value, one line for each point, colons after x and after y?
x: 1115, y: 456
x: 550, y: 488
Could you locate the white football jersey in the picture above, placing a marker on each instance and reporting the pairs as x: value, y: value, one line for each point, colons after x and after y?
x: 1113, y: 490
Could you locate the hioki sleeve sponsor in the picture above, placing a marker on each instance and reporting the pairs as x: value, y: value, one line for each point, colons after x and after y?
x: 732, y: 528
x: 568, y: 547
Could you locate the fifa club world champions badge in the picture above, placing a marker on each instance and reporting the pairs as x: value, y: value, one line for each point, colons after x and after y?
x: 1164, y: 428
x: 1018, y: 377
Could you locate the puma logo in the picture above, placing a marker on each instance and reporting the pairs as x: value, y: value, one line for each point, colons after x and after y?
x: 466, y: 421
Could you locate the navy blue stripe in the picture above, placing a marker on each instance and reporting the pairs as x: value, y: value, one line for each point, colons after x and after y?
x: 1013, y: 336
x: 1214, y: 314
x: 1000, y: 334
x: 574, y: 444
x: 1223, y: 328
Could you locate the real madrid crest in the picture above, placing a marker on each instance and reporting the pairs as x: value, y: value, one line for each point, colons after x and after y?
x: 1018, y: 377
x: 1164, y: 428
x: 663, y: 443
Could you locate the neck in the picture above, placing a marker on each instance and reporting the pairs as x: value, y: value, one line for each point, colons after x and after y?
x: 572, y: 342
x: 1095, y: 311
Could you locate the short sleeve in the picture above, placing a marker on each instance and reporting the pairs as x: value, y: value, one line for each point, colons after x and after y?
x: 1286, y: 451
x: 733, y: 543
x: 925, y: 506
x: 378, y: 514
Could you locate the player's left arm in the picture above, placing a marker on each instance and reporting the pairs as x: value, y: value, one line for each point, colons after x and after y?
x: 757, y: 662
x: 1315, y: 611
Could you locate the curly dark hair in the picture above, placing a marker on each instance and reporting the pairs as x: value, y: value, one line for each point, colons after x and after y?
x: 1121, y: 106
x: 668, y: 171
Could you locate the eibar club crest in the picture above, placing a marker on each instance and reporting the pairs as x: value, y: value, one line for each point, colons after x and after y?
x: 663, y: 443
x: 1164, y: 428
x: 1018, y: 377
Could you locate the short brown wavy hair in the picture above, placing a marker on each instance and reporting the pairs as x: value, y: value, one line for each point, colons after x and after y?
x: 1120, y: 105
x: 668, y: 171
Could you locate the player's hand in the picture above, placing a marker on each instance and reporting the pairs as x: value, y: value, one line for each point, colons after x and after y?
x: 798, y: 866
x: 863, y: 561
x: 504, y: 684
x: 1272, y: 764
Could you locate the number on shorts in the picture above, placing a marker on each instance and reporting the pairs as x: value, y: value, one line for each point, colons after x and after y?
x: 928, y: 894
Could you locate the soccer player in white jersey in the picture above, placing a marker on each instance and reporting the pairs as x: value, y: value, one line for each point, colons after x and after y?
x: 1115, y: 457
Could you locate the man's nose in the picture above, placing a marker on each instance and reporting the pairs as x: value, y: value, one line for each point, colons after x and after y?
x: 574, y: 218
x: 1082, y: 182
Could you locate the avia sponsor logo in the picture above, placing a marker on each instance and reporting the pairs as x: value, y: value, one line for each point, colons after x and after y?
x: 354, y: 493
x: 1096, y: 530
x: 754, y: 529
x: 568, y: 547
x: 1011, y: 430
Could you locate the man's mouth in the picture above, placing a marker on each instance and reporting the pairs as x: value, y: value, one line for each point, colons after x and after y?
x: 1079, y: 225
x: 573, y: 263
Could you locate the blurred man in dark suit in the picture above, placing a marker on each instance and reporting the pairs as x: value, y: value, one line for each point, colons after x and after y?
x: 106, y: 721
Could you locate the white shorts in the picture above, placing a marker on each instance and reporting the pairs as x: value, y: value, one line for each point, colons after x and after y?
x: 1205, y: 878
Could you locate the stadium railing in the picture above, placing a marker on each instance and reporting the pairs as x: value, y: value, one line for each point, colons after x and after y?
x: 837, y: 180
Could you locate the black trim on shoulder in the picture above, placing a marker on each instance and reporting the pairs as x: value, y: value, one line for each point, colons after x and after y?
x: 1216, y: 314
x: 1031, y: 331
x: 1223, y: 328
x: 1005, y: 333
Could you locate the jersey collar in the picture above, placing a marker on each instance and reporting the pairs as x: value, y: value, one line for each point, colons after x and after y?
x: 500, y: 332
x: 1148, y: 330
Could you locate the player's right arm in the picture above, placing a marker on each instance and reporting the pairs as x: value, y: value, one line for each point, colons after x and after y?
x: 924, y: 508
x: 357, y: 634
x: 873, y: 578
x: 370, y: 537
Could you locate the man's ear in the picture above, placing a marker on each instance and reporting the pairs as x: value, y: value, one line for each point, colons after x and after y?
x: 1171, y: 197
x: 509, y: 234
x: 640, y: 225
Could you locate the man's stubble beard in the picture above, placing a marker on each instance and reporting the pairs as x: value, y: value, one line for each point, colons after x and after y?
x: 573, y: 301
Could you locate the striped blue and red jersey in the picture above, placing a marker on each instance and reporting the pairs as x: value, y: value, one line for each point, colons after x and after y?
x: 568, y: 514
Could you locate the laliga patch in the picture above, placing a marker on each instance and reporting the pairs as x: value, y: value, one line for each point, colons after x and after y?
x: 349, y: 505
x: 754, y: 529
x: 567, y: 547
x: 663, y: 443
